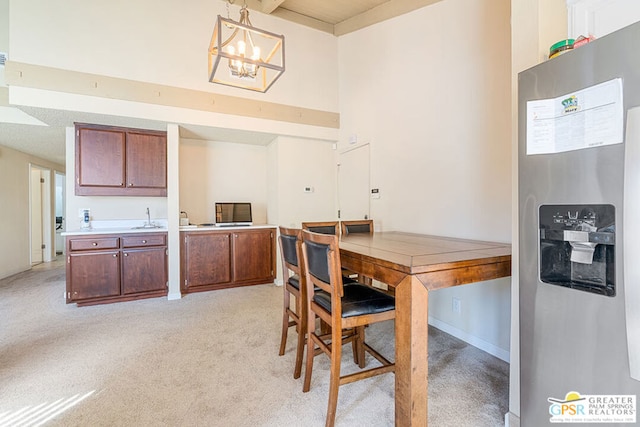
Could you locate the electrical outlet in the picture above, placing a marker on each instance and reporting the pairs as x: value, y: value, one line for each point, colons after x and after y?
x: 456, y: 306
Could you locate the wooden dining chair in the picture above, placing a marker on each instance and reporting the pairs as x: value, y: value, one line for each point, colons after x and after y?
x: 323, y: 227
x: 364, y: 226
x: 347, y: 309
x: 356, y: 226
x: 294, y: 280
x: 330, y: 227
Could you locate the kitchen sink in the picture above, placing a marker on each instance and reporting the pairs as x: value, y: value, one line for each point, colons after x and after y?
x: 146, y: 227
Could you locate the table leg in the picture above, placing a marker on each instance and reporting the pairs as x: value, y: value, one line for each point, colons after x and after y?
x: 412, y: 302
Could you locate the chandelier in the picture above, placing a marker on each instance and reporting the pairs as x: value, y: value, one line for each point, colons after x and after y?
x: 244, y: 56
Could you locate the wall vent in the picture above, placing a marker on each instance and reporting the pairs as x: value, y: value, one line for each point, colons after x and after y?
x: 3, y: 58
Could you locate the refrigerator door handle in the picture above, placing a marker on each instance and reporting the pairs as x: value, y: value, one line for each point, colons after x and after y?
x: 631, y: 221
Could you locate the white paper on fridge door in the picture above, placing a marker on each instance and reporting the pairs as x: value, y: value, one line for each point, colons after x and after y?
x: 587, y: 118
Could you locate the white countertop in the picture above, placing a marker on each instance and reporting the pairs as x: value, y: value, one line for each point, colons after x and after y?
x: 120, y: 230
x: 122, y: 227
x: 119, y: 227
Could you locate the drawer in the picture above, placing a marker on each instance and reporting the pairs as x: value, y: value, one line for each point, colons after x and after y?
x: 86, y: 244
x: 144, y: 240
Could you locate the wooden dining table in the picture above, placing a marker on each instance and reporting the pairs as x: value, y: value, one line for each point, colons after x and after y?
x: 416, y: 264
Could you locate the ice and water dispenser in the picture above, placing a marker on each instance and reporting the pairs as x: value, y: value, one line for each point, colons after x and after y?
x: 577, y: 247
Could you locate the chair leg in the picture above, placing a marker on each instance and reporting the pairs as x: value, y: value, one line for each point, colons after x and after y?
x: 360, y: 344
x: 334, y: 381
x: 285, y: 321
x: 302, y: 333
x: 311, y: 323
x: 356, y: 354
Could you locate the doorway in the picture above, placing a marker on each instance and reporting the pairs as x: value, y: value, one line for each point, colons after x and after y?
x: 353, y: 183
x: 59, y: 212
x: 40, y: 218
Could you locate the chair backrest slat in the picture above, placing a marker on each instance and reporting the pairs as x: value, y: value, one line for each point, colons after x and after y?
x: 291, y: 250
x: 357, y: 226
x: 288, y: 244
x: 318, y: 262
x: 322, y: 262
x: 323, y: 227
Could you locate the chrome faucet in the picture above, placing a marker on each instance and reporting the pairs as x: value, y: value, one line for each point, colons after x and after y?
x: 148, y: 217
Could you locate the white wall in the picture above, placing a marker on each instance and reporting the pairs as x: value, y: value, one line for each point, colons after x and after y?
x: 14, y: 216
x: 295, y: 163
x: 214, y: 171
x: 4, y: 25
x: 305, y: 163
x: 431, y: 92
x: 165, y: 42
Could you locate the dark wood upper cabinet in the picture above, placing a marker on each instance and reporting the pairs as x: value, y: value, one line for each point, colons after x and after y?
x: 100, y: 156
x: 114, y: 161
x: 146, y: 165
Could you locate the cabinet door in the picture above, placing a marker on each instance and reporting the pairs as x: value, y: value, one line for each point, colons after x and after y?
x: 93, y: 275
x: 207, y: 259
x: 146, y: 161
x: 253, y: 256
x: 144, y: 270
x: 100, y: 160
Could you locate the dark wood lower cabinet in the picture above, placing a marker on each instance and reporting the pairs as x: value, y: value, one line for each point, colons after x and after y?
x: 111, y: 268
x: 144, y: 270
x: 206, y: 258
x: 252, y: 256
x: 218, y: 259
x: 93, y: 274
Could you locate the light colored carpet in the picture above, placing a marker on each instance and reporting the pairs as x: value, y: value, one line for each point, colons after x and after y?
x: 209, y: 359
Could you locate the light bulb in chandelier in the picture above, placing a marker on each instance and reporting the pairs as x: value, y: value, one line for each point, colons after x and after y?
x: 243, y: 56
x: 240, y: 68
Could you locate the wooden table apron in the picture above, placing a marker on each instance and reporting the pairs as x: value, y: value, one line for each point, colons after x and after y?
x: 415, y: 265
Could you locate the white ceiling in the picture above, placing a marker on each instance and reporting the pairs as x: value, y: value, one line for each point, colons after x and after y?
x: 334, y: 16
x: 329, y: 11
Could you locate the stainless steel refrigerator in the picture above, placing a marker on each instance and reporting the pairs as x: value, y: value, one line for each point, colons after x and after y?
x: 579, y: 234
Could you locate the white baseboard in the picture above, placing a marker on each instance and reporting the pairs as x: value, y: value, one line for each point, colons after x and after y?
x: 511, y: 420
x: 471, y: 339
x: 174, y: 296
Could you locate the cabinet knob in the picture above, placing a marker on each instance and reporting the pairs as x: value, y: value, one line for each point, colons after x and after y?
x: 144, y: 241
x: 94, y: 244
x: 126, y: 254
x: 115, y: 255
x: 131, y: 184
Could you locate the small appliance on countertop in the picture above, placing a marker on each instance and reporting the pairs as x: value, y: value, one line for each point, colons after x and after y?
x: 184, y: 219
